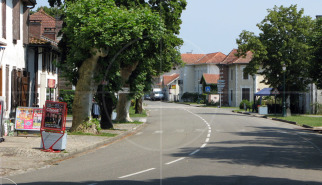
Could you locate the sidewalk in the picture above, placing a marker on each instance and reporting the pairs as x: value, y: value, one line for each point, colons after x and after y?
x: 19, y: 154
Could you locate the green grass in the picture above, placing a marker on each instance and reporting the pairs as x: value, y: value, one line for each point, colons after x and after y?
x: 303, y: 120
x: 133, y: 122
x: 132, y: 113
x: 89, y: 134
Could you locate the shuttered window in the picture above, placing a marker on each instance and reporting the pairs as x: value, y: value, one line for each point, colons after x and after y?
x: 4, y: 19
x: 26, y: 25
x: 16, y: 20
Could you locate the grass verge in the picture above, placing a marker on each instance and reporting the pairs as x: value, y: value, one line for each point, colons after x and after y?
x: 132, y: 113
x: 303, y: 120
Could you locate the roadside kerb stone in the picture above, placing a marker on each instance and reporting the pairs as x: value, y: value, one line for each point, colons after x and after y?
x: 22, y: 154
x: 317, y: 129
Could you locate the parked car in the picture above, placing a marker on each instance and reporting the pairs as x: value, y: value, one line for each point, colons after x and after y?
x: 157, y: 94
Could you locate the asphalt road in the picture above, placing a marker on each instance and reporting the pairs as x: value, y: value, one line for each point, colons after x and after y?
x: 189, y: 145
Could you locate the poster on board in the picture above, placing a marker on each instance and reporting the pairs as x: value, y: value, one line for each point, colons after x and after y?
x: 25, y: 118
x: 54, y: 115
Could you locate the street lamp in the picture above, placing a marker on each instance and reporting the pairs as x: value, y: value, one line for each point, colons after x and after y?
x: 284, y: 105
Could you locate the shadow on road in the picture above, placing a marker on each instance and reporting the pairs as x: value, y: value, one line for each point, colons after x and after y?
x: 192, y: 180
x: 267, y: 146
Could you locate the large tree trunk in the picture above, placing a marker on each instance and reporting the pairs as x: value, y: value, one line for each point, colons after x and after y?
x: 106, y: 120
x: 123, y: 107
x: 85, y: 89
x: 124, y: 103
x: 138, y: 106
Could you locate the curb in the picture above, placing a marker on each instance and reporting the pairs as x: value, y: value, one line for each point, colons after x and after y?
x: 281, y: 120
x: 108, y: 141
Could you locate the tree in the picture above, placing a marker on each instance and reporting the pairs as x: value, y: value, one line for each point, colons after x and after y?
x: 158, y: 56
x: 284, y: 40
x: 99, y: 30
x: 55, y: 12
x: 316, y: 64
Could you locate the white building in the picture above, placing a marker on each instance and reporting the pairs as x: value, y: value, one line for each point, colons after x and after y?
x: 13, y: 56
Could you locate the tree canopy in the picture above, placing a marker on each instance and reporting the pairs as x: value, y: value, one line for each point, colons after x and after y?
x: 283, y: 40
x: 316, y: 64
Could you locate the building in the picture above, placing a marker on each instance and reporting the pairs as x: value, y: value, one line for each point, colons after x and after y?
x: 14, y: 40
x: 43, y: 55
x: 195, y: 66
x: 170, y: 87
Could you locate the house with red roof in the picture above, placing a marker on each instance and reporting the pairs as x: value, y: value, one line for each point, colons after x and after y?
x: 14, y: 38
x: 239, y: 85
x: 170, y: 86
x: 43, y: 53
x: 196, y: 65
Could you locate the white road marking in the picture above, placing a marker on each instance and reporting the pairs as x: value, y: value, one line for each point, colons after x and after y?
x: 208, y: 135
x: 207, y: 140
x: 175, y: 161
x: 139, y: 133
x: 196, y: 151
x: 125, y: 176
x: 203, y: 146
x: 158, y: 132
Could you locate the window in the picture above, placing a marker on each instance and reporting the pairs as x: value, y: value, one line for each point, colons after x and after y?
x: 4, y: 18
x: 245, y: 94
x: 245, y: 75
x: 231, y: 95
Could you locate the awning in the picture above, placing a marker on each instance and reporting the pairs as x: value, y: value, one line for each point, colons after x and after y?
x: 265, y: 92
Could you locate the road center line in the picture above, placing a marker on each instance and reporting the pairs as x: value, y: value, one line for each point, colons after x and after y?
x: 125, y: 176
x: 175, y: 161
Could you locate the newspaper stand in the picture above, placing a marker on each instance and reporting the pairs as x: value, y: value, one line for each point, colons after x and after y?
x: 53, y: 127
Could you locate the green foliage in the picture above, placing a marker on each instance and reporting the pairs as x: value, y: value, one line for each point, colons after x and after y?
x: 284, y: 39
x: 101, y: 24
x: 55, y: 12
x: 194, y: 97
x: 68, y: 97
x: 247, y: 103
x: 316, y: 64
x: 90, y: 123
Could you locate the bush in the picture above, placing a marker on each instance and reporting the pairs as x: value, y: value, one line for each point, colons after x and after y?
x: 67, y: 96
x: 248, y: 104
x: 193, y: 97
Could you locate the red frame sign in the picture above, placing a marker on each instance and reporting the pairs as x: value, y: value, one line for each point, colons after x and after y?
x: 54, y: 116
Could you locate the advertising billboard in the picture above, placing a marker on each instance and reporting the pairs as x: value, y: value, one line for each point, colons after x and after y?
x: 28, y: 118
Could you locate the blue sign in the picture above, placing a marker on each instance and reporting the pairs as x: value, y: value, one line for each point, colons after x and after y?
x: 207, y: 88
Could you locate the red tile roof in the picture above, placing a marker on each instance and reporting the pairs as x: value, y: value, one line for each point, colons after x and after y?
x: 47, y: 21
x: 212, y: 58
x: 190, y: 58
x: 246, y: 59
x: 211, y: 78
x: 233, y: 59
x: 167, y: 79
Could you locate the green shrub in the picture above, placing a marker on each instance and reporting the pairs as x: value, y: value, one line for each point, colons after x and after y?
x: 248, y: 104
x: 68, y: 97
x: 194, y: 97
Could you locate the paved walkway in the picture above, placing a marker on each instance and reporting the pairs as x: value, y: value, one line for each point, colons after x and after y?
x: 19, y: 154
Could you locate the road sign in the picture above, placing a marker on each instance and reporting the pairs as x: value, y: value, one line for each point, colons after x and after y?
x: 221, y: 81
x: 207, y: 89
x: 275, y: 92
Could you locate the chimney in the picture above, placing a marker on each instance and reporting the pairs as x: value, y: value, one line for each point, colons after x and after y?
x: 50, y: 33
x: 35, y: 28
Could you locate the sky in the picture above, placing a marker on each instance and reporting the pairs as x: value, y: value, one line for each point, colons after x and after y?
x: 210, y: 26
